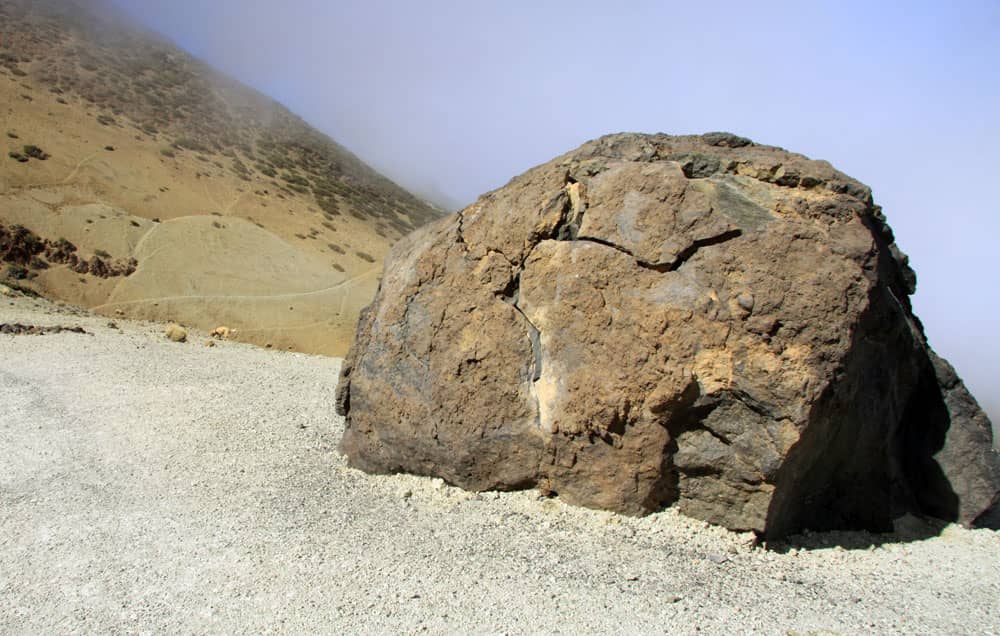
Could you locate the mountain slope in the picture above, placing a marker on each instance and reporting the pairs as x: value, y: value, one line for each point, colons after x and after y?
x: 229, y: 208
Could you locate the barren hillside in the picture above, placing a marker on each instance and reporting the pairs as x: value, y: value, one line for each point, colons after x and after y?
x: 136, y: 180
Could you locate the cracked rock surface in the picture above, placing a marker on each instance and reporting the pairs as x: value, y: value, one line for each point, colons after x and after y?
x: 651, y: 321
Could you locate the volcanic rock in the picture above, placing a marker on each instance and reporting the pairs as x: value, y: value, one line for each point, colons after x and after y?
x: 176, y: 333
x: 649, y: 321
x: 222, y: 333
x: 17, y: 329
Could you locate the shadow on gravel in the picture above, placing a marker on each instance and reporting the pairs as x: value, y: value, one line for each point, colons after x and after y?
x: 907, y: 529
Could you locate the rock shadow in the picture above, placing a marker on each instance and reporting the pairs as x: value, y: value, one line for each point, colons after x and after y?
x: 867, y: 454
x: 907, y: 529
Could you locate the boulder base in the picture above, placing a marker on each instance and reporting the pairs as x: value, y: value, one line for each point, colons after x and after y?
x: 651, y: 321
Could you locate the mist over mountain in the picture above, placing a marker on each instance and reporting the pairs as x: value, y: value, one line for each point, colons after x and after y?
x: 467, y: 95
x: 140, y: 181
x: 457, y: 98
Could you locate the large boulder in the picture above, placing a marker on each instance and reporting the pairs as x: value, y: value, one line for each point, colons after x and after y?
x: 651, y: 320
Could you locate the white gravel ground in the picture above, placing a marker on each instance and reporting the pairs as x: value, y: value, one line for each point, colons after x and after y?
x: 162, y: 488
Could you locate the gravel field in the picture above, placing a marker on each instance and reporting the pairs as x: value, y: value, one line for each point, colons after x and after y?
x: 151, y: 487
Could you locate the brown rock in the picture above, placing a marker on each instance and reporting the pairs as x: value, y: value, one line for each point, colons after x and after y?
x: 61, y: 251
x: 98, y: 267
x: 176, y: 333
x: 17, y: 329
x: 21, y: 246
x: 655, y: 320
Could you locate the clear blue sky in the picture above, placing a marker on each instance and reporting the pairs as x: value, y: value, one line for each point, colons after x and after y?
x: 456, y: 97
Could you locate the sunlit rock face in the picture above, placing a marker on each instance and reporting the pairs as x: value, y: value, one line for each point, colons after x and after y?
x: 651, y: 321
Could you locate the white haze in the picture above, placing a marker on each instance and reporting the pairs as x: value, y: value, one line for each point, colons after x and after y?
x: 452, y: 99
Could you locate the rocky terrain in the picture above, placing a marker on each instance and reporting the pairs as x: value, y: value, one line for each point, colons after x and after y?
x: 151, y: 486
x: 230, y: 209
x: 650, y: 321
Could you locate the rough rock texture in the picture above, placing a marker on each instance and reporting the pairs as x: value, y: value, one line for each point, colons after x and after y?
x: 21, y: 246
x: 18, y: 329
x: 652, y: 320
x: 176, y: 333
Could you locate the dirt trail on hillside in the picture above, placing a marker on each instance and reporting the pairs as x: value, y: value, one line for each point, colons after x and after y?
x: 199, y: 231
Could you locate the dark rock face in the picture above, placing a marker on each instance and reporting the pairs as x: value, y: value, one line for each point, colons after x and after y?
x: 20, y: 246
x: 653, y: 320
x: 17, y: 329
